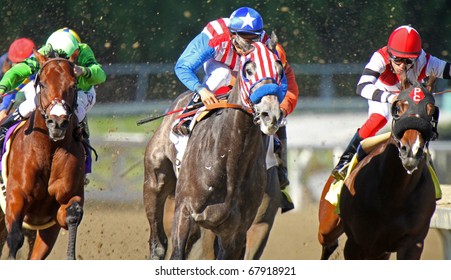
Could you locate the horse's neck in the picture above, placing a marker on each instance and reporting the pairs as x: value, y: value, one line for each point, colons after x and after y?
x: 235, y: 94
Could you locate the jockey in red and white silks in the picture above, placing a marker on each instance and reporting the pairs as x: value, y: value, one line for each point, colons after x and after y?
x: 380, y: 82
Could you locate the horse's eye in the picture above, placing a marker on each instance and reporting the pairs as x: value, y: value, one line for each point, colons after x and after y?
x: 401, y: 107
x: 250, y: 68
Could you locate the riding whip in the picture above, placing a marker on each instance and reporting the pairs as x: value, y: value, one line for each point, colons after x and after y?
x: 189, y: 107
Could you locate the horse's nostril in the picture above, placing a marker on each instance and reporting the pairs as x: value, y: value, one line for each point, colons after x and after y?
x: 50, y: 123
x: 64, y: 124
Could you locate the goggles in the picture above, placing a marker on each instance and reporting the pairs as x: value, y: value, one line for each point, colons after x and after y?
x: 399, y: 60
x: 250, y: 37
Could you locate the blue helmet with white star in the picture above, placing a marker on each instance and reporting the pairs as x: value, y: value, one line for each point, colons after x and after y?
x: 246, y: 20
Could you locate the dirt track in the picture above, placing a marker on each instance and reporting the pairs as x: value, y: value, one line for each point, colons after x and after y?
x: 120, y: 232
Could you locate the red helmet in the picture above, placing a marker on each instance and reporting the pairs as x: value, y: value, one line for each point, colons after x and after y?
x: 20, y: 49
x: 404, y: 42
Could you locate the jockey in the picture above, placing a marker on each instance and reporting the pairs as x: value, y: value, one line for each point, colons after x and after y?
x: 89, y: 72
x: 19, y: 50
x: 214, y: 50
x: 380, y: 83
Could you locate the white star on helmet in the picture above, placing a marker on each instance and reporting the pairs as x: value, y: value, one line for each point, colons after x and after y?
x: 247, y: 20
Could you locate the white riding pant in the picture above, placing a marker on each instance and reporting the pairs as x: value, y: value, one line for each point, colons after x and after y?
x: 217, y: 75
x: 85, y: 101
x: 380, y: 108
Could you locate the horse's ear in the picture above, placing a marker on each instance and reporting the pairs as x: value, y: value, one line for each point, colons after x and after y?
x: 74, y: 56
x: 40, y: 57
x: 430, y: 83
x: 242, y: 46
x: 272, y: 42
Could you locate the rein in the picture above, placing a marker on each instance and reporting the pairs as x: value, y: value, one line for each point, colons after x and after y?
x: 221, y: 105
x: 56, y: 101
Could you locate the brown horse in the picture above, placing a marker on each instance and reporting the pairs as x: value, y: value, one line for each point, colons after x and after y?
x: 45, y: 164
x: 387, y: 201
x: 160, y: 178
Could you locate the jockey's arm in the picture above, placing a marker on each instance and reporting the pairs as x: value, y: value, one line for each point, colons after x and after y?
x: 366, y: 86
x: 17, y: 74
x: 191, y: 60
x: 93, y: 72
x: 291, y: 98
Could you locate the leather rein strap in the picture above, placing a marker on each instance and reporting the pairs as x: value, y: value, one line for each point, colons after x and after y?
x: 224, y: 104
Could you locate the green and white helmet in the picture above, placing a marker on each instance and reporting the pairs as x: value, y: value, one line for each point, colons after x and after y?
x: 62, y: 43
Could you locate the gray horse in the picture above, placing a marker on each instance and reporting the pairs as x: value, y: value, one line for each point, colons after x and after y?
x: 223, y: 189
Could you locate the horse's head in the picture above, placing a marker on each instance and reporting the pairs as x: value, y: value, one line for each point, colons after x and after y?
x: 56, y: 93
x: 260, y: 79
x: 415, y: 119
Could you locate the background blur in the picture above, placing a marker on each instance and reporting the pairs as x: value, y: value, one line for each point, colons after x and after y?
x: 318, y: 32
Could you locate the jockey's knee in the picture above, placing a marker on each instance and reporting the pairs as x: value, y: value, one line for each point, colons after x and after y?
x: 26, y: 109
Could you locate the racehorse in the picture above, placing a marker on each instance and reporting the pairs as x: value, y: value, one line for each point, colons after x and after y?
x: 388, y: 199
x: 45, y: 165
x: 160, y: 178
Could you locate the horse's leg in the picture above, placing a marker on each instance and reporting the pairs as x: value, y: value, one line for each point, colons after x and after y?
x: 159, y: 183
x: 3, y: 232
x: 181, y: 230
x: 44, y: 242
x: 74, y: 214
x: 258, y: 233
x: 205, y: 247
x: 231, y: 247
x: 69, y: 216
x: 411, y: 253
x: 14, y: 220
x: 352, y: 251
x: 31, y: 238
x: 330, y: 226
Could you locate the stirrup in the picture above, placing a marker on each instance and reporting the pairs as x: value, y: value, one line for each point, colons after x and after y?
x: 340, y: 173
x: 182, y: 128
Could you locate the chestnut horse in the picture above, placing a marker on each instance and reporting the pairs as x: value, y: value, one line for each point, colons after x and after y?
x: 387, y: 201
x: 229, y: 131
x: 45, y: 165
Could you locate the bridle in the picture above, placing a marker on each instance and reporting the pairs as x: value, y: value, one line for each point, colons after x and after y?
x: 56, y: 101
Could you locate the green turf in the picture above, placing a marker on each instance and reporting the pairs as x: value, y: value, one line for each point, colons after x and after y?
x: 101, y: 125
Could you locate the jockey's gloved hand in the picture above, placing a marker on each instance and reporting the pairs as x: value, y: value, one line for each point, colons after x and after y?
x: 79, y: 70
x: 207, y: 96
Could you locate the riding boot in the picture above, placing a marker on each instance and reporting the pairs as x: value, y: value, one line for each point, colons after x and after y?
x: 182, y: 127
x: 84, y: 128
x: 281, y: 151
x: 8, y: 123
x: 282, y: 169
x: 339, y: 172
